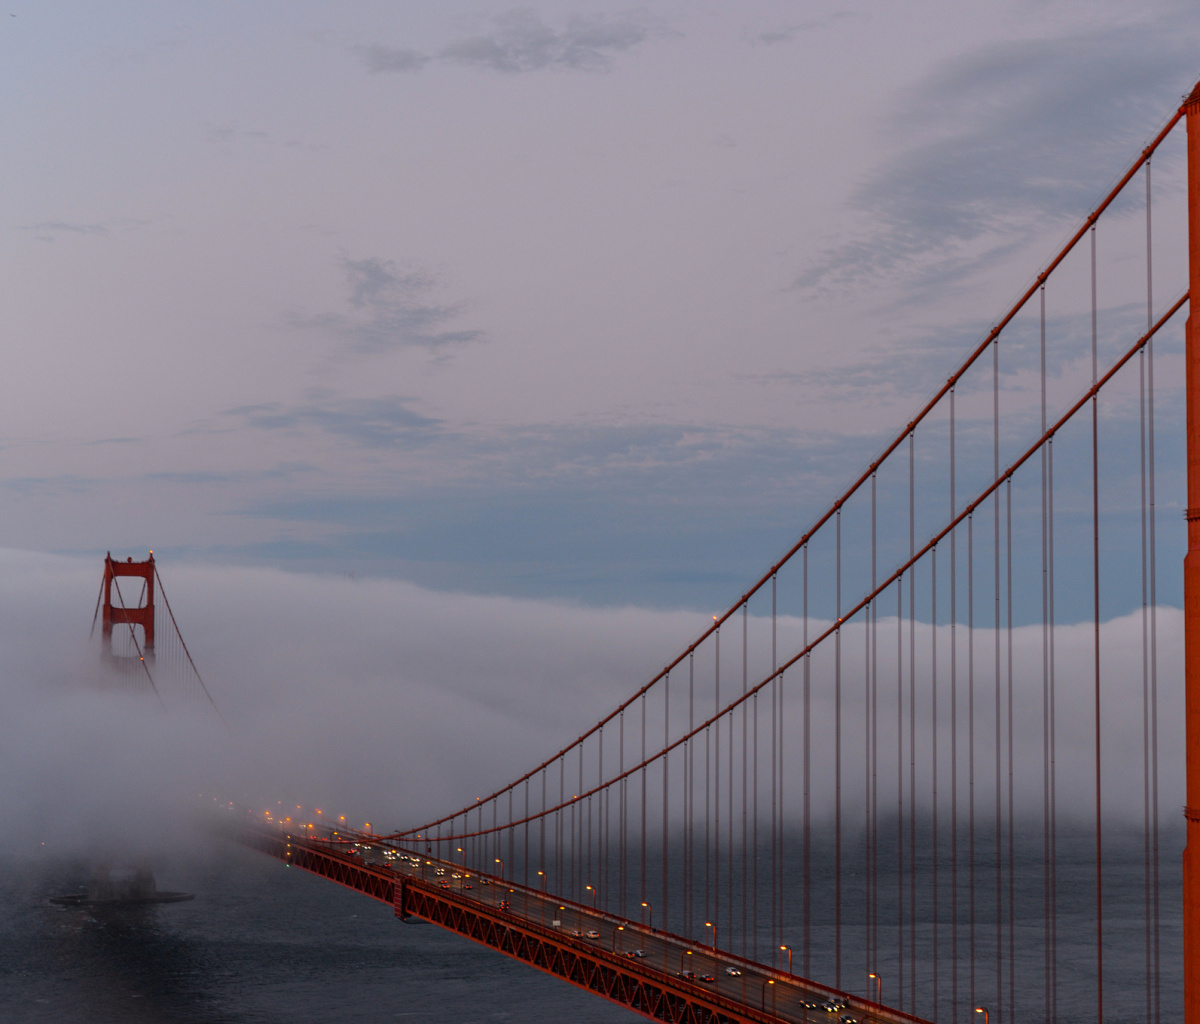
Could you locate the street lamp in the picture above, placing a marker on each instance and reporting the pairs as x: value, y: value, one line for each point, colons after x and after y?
x: 686, y: 952
x: 878, y: 988
x: 592, y: 890
x: 651, y: 910
x: 542, y: 876
x: 789, y: 953
x: 984, y: 1011
x: 763, y: 994
x: 501, y: 863
x: 619, y: 928
x: 709, y: 924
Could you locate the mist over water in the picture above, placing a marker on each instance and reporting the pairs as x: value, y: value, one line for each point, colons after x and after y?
x: 390, y: 703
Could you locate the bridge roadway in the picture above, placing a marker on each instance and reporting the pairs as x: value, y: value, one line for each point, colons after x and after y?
x: 626, y: 962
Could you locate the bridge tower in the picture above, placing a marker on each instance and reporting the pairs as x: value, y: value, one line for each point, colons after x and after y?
x: 139, y: 614
x: 1191, y: 584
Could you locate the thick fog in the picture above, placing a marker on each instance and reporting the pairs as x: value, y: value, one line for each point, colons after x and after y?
x: 390, y: 703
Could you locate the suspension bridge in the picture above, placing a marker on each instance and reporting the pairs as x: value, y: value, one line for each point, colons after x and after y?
x: 884, y: 783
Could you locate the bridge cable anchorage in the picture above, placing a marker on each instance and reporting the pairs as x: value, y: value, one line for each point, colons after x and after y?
x: 860, y: 481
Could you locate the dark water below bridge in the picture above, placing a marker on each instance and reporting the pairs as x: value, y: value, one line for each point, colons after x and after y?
x: 262, y: 943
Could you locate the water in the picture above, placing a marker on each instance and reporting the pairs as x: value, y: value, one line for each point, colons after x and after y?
x: 263, y: 943
x: 260, y: 943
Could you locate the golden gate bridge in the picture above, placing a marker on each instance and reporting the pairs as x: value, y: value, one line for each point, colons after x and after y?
x: 870, y: 767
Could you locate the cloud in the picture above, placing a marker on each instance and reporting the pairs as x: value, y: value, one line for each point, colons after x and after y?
x: 1001, y: 142
x: 385, y: 59
x: 49, y: 228
x: 230, y: 132
x: 789, y: 32
x: 371, y: 423
x: 392, y: 702
x: 389, y: 310
x: 520, y: 41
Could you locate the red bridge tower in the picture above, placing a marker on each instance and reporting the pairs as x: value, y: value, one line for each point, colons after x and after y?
x: 138, y: 615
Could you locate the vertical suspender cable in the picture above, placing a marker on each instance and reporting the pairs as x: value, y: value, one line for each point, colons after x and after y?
x: 1046, y: 885
x: 729, y: 832
x: 953, y: 733
x: 1053, y: 751
x: 998, y: 997
x: 873, y: 610
x: 716, y: 780
x: 623, y: 823
x: 971, y: 756
x: 1153, y: 606
x: 933, y: 749
x: 1008, y: 591
x: 689, y: 835
x: 1096, y: 651
x: 900, y: 952
x: 776, y: 933
x: 837, y: 770
x: 643, y: 774
x: 912, y: 725
x: 868, y: 962
x: 806, y: 907
x: 666, y: 818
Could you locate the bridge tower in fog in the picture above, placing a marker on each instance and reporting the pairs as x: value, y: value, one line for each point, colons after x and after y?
x: 130, y: 608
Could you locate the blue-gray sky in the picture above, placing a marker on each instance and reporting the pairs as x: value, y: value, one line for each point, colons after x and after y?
x: 581, y: 300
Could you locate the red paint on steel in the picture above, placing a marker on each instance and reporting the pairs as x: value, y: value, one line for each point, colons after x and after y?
x: 627, y: 982
x: 122, y: 614
x: 1191, y: 590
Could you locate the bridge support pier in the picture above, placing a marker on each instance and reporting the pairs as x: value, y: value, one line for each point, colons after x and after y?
x: 1191, y: 584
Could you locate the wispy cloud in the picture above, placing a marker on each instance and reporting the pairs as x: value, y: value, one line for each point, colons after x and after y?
x: 789, y: 32
x: 389, y: 308
x: 520, y: 41
x: 50, y: 228
x: 231, y: 133
x: 1015, y: 134
x: 381, y: 59
x: 372, y: 423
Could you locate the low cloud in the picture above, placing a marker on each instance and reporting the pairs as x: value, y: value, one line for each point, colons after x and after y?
x: 391, y: 703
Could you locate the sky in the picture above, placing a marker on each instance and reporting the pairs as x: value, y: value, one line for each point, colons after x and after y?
x: 588, y: 302
x: 460, y: 361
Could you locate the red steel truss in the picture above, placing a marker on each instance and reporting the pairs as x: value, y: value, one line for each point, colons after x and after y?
x: 631, y: 983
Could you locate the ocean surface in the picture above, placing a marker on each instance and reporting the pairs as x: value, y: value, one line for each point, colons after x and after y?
x: 265, y: 943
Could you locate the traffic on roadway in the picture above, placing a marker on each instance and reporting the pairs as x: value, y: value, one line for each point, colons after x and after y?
x: 703, y: 966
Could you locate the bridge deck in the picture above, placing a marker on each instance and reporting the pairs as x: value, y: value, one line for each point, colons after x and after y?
x: 553, y: 935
